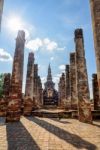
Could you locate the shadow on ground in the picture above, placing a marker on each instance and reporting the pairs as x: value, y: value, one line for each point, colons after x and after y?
x: 19, y: 138
x: 73, y: 139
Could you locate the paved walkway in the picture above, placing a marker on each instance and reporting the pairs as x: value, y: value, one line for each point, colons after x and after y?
x: 49, y: 134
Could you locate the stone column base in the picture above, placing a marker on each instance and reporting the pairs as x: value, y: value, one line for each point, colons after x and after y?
x: 68, y: 105
x: 13, y: 109
x: 3, y: 107
x: 28, y: 106
x: 13, y: 116
x: 84, y: 112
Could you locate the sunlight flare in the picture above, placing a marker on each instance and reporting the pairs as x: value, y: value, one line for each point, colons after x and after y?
x: 15, y: 24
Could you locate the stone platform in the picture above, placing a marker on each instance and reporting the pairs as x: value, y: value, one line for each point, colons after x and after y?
x: 34, y: 133
x: 60, y: 113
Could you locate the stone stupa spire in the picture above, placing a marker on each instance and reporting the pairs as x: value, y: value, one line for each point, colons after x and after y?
x: 49, y: 76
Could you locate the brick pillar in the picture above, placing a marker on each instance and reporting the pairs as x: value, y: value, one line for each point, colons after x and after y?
x: 14, y: 104
x: 39, y: 92
x: 6, y: 88
x: 7, y: 85
x: 67, y: 85
x: 95, y: 12
x: 59, y: 92
x: 74, y: 97
x: 28, y: 101
x: 82, y: 79
x: 95, y: 91
x: 35, y: 85
x: 5, y: 98
x: 63, y: 91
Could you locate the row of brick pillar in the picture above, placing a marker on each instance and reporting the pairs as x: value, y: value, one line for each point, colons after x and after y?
x: 33, y: 91
x: 73, y: 85
x: 11, y: 104
x: 77, y: 91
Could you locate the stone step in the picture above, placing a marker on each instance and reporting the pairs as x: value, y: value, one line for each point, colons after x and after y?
x: 63, y: 114
x: 50, y: 114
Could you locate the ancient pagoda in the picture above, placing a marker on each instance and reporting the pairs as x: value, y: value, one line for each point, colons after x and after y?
x: 50, y: 95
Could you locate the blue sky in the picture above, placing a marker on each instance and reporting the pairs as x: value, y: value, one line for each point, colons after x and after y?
x: 49, y: 27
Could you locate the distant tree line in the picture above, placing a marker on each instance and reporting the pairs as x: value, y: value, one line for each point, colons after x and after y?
x: 1, y: 84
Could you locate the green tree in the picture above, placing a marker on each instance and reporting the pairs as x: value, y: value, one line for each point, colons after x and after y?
x: 1, y: 84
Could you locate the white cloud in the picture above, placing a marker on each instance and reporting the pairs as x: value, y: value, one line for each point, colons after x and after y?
x: 90, y: 88
x: 46, y: 41
x: 52, y: 58
x: 56, y: 81
x: 4, y: 55
x: 29, y: 30
x: 52, y: 46
x: 61, y: 48
x: 44, y: 44
x: 62, y: 67
x: 34, y: 45
x: 59, y: 75
x: 43, y: 80
x: 27, y: 34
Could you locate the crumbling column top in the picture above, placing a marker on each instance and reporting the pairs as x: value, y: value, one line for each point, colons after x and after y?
x: 78, y: 33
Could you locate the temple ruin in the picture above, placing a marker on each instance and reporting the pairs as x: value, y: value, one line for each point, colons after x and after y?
x: 50, y: 95
x: 73, y: 93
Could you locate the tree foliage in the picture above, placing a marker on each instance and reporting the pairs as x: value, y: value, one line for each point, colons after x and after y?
x: 1, y: 84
